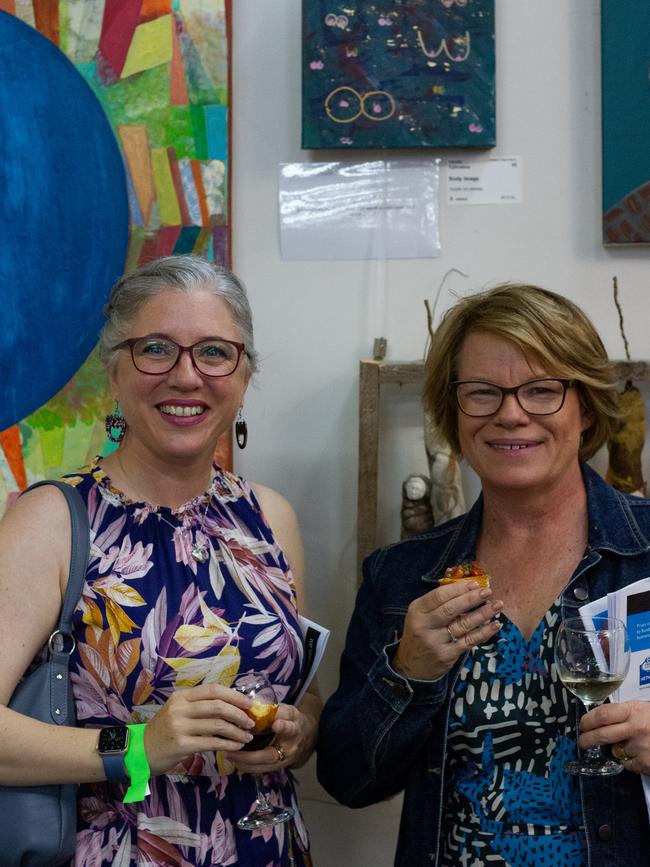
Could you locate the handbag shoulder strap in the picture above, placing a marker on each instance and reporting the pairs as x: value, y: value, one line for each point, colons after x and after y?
x: 79, y: 550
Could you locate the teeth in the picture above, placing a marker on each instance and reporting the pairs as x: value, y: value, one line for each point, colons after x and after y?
x: 182, y: 410
x: 511, y: 448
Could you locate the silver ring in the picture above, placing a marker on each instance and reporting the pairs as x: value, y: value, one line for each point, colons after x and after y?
x: 451, y: 634
x: 281, y: 754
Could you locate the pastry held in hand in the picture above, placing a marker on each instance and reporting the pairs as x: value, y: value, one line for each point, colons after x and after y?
x: 466, y: 572
x: 262, y: 715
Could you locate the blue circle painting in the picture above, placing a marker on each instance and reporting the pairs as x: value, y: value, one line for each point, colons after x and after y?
x: 63, y: 219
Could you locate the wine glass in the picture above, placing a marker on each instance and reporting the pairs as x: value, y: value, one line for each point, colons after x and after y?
x: 257, y: 686
x: 592, y: 656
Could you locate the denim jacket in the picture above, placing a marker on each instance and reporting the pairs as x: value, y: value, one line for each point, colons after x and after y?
x: 382, y: 733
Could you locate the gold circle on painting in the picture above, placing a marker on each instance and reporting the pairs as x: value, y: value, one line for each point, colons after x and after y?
x: 330, y: 97
x: 376, y: 93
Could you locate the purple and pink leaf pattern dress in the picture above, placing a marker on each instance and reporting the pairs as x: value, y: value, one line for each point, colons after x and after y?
x: 152, y: 620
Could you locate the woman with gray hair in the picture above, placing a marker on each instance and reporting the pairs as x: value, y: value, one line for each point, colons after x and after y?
x: 195, y: 578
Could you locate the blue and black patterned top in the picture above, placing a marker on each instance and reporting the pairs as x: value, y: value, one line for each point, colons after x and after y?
x: 508, y: 798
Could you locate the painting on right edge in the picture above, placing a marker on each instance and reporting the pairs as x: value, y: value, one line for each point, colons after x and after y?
x: 626, y: 121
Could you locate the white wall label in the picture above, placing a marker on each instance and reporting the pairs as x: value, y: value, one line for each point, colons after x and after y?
x: 490, y: 181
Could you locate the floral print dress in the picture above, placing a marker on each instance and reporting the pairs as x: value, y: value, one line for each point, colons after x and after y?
x: 152, y: 620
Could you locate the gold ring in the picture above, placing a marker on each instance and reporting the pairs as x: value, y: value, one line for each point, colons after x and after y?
x: 281, y: 754
x: 451, y: 634
x: 620, y: 753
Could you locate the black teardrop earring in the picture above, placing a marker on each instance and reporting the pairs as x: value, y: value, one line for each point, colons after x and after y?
x: 241, y: 431
x: 115, y: 421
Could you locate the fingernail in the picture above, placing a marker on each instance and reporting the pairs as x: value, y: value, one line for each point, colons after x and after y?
x: 249, y: 736
x: 485, y: 592
x: 473, y: 585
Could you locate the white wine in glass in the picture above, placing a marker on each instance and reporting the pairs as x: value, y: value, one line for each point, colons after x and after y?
x: 257, y: 686
x: 592, y: 657
x: 592, y: 690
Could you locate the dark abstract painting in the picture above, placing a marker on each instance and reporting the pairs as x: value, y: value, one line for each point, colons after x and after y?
x: 398, y: 74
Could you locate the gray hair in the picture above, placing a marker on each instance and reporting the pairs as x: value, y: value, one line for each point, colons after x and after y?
x: 183, y: 274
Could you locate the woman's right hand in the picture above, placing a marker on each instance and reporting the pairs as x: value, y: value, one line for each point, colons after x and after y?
x: 199, y: 719
x: 442, y: 625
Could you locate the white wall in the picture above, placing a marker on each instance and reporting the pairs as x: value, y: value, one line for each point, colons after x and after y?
x: 315, y: 320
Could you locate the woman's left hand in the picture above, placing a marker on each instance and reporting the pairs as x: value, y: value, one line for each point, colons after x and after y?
x: 625, y: 727
x: 295, y: 737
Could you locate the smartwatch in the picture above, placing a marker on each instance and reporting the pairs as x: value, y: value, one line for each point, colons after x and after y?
x: 112, y: 746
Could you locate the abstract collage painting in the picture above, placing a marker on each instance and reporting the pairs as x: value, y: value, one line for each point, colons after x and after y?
x: 114, y: 149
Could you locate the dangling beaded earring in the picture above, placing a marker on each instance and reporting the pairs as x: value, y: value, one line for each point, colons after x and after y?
x: 241, y: 431
x: 115, y: 421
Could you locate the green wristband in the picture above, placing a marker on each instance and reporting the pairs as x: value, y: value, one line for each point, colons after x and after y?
x: 137, y: 765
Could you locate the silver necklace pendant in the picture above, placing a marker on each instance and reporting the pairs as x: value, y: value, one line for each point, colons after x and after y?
x: 199, y: 553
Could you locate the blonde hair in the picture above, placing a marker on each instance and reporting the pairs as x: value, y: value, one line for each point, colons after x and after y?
x: 544, y: 325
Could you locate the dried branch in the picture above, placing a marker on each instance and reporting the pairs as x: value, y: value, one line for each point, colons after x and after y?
x: 429, y: 318
x: 620, y: 319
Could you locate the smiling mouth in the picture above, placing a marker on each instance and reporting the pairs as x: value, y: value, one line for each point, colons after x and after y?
x: 186, y: 411
x: 514, y: 447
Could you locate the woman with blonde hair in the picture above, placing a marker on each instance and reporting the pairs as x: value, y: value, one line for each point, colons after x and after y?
x: 448, y: 692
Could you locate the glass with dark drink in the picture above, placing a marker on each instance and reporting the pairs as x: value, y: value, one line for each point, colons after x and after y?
x: 257, y: 686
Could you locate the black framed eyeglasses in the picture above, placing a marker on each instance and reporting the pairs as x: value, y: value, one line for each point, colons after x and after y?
x: 156, y: 353
x: 477, y: 398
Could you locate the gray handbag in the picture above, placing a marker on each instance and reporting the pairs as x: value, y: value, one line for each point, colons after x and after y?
x: 38, y: 823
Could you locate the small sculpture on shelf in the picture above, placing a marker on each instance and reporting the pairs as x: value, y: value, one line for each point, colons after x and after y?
x: 417, y: 510
x: 434, y: 499
x: 447, y: 496
x: 625, y: 446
